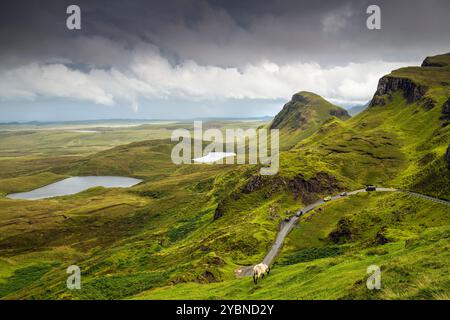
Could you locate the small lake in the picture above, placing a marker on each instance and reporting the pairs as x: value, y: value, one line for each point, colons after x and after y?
x: 214, y: 156
x: 74, y: 185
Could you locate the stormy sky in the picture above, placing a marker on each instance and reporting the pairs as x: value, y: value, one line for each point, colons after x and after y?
x: 217, y: 58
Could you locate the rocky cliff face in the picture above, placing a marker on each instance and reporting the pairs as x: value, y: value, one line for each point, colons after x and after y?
x: 446, y: 110
x: 298, y: 185
x: 447, y: 156
x: 388, y: 85
x: 339, y: 113
x: 306, y: 189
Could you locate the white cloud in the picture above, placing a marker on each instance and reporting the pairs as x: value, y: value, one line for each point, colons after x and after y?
x: 149, y: 75
x: 54, y: 80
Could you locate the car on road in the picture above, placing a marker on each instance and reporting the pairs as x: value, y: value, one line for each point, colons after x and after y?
x: 343, y: 194
x: 371, y: 188
x: 298, y: 214
x: 287, y: 219
x: 327, y: 198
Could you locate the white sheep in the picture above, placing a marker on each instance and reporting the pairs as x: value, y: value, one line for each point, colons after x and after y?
x: 259, y: 270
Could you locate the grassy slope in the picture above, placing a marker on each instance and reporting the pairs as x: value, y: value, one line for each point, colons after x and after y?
x: 413, y: 263
x: 161, y: 232
x: 302, y: 116
x: 391, y: 145
x: 400, y: 144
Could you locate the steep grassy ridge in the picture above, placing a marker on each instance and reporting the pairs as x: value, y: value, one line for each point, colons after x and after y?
x: 301, y: 116
x: 400, y: 140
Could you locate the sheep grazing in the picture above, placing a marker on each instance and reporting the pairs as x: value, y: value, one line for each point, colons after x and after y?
x: 259, y: 270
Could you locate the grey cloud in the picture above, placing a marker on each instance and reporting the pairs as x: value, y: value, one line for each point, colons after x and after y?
x: 229, y: 33
x: 217, y: 49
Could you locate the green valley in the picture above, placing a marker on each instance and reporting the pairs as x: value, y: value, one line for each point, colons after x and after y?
x: 185, y: 229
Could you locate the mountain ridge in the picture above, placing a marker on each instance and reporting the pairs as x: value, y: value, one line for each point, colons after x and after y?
x: 400, y: 139
x: 302, y: 115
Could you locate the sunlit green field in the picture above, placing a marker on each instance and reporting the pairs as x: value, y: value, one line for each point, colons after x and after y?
x: 413, y: 262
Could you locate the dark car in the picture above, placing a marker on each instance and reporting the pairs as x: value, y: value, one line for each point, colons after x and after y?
x: 287, y: 219
x: 371, y: 188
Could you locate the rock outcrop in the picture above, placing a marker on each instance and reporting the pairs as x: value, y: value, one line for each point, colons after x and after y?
x: 447, y: 156
x: 446, y: 110
x: 343, y: 231
x: 300, y: 187
x: 380, y: 237
x: 219, y: 211
x: 340, y: 113
x: 429, y: 104
x: 307, y: 189
x: 388, y: 85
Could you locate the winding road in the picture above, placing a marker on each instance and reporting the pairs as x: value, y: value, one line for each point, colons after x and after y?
x: 287, y: 227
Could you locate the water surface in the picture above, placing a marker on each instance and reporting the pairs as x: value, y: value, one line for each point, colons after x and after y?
x: 214, y: 156
x: 74, y: 185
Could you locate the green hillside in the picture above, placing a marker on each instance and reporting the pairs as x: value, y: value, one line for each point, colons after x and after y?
x: 405, y: 237
x: 161, y: 231
x: 301, y: 116
x: 400, y: 140
x: 184, y: 230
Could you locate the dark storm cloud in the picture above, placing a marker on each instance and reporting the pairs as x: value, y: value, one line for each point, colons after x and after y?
x: 207, y: 53
x: 221, y: 32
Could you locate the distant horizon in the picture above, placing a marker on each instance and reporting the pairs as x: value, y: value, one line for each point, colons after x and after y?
x: 134, y: 120
x: 36, y: 115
